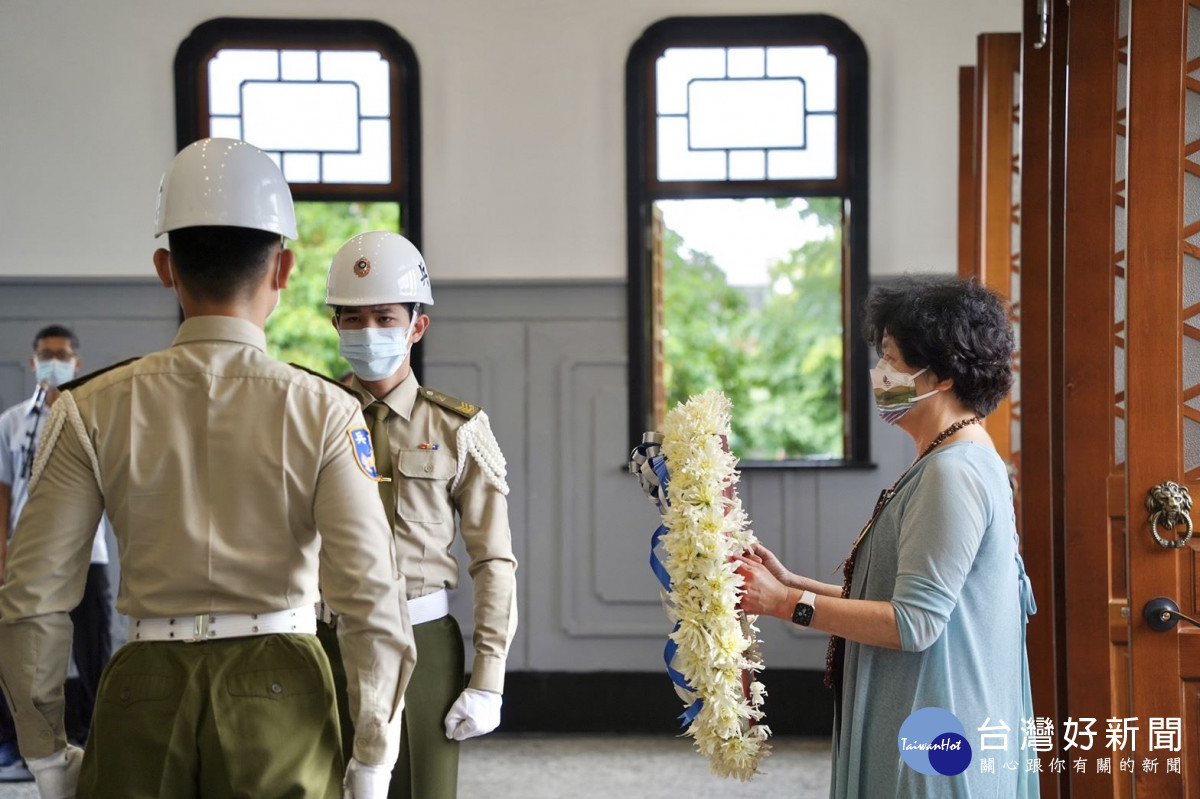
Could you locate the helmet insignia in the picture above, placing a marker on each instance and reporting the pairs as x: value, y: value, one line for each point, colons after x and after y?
x: 362, y: 267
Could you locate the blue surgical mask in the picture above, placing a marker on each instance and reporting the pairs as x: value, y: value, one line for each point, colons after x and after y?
x: 53, y: 372
x: 895, y: 391
x: 374, y: 352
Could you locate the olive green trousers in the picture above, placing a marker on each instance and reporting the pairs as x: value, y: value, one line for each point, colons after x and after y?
x: 240, y: 718
x: 427, y: 767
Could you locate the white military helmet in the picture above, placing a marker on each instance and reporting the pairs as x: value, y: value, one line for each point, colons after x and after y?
x: 376, y: 268
x: 224, y: 182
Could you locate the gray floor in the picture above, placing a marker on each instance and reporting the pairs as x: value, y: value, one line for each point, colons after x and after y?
x: 628, y: 767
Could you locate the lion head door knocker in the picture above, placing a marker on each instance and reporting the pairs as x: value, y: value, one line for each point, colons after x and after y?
x: 1170, y: 505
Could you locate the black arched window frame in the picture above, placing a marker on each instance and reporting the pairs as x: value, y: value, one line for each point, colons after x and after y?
x: 643, y: 188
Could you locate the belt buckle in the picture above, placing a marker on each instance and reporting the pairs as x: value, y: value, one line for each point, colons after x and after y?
x: 200, y: 628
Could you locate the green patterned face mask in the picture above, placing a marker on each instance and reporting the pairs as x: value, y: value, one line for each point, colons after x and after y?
x: 895, y: 391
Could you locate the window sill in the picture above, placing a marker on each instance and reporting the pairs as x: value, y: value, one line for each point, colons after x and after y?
x: 840, y: 465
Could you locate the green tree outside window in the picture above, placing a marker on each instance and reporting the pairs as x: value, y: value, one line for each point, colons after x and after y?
x: 775, y: 350
x: 299, y: 330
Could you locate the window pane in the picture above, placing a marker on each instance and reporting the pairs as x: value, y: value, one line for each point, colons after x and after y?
x: 677, y: 66
x: 317, y: 117
x: 779, y: 100
x: 676, y: 161
x: 299, y: 65
x: 748, y: 165
x: 302, y: 167
x: 372, y: 165
x: 369, y: 71
x: 817, y: 160
x: 747, y: 62
x: 740, y: 114
x: 816, y: 65
x: 229, y: 68
x: 752, y: 305
x: 328, y: 112
x: 225, y: 127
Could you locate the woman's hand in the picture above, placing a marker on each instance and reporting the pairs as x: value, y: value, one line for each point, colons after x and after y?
x: 780, y: 572
x: 762, y: 593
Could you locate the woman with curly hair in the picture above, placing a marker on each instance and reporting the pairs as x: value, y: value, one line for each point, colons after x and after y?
x: 935, y: 599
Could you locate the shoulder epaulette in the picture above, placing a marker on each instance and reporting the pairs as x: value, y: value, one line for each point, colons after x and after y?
x: 79, y: 381
x: 461, y: 407
x: 327, y: 379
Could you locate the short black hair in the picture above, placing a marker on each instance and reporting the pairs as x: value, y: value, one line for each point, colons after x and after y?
x: 413, y: 308
x: 956, y: 328
x: 220, y: 263
x: 56, y: 331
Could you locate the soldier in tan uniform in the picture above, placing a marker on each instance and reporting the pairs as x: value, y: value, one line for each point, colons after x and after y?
x: 217, y: 465
x: 443, y: 460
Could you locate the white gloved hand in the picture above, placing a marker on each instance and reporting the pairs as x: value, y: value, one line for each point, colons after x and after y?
x: 365, y: 782
x: 57, y: 775
x: 475, y: 712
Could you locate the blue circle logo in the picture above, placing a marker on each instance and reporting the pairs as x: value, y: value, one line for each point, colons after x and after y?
x: 934, y: 741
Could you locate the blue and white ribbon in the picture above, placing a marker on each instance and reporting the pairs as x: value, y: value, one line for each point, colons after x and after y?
x: 650, y: 466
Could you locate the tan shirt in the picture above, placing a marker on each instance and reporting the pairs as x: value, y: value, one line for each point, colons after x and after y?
x: 217, y: 465
x: 431, y: 485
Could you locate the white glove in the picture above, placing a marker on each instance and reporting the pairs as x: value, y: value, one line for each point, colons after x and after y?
x: 363, y: 781
x: 57, y: 775
x: 475, y: 712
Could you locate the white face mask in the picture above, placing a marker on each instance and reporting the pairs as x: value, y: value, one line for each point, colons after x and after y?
x: 895, y: 391
x: 374, y: 353
x: 54, y: 372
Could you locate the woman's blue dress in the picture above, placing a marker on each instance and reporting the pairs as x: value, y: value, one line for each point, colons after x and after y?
x: 944, y: 552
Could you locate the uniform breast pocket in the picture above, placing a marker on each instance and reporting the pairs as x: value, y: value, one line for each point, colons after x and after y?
x: 423, y: 486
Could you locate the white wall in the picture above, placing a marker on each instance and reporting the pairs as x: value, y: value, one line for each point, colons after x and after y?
x: 523, y: 114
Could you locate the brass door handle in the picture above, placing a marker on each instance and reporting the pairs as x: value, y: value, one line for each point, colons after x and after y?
x: 1170, y: 505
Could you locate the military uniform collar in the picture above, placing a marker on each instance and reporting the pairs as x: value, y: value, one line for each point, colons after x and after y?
x: 400, y: 399
x: 221, y: 328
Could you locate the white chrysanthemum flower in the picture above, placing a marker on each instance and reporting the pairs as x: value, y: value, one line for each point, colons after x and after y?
x: 706, y: 527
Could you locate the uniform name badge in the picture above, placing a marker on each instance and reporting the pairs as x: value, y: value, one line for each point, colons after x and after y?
x: 364, y: 454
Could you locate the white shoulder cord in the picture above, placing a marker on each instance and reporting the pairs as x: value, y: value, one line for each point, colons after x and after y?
x: 64, y: 410
x: 476, y: 437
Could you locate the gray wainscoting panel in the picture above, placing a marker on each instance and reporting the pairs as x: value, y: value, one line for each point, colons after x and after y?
x: 484, y: 363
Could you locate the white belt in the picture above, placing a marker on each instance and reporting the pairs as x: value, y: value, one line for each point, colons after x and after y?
x: 430, y: 607
x: 211, y: 626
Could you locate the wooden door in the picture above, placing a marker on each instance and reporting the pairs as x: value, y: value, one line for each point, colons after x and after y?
x: 997, y: 92
x: 1131, y: 387
x: 1094, y: 402
x: 1010, y: 230
x: 1040, y: 496
x: 1163, y: 374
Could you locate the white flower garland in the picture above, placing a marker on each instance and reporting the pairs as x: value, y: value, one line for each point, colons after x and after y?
x: 705, y: 529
